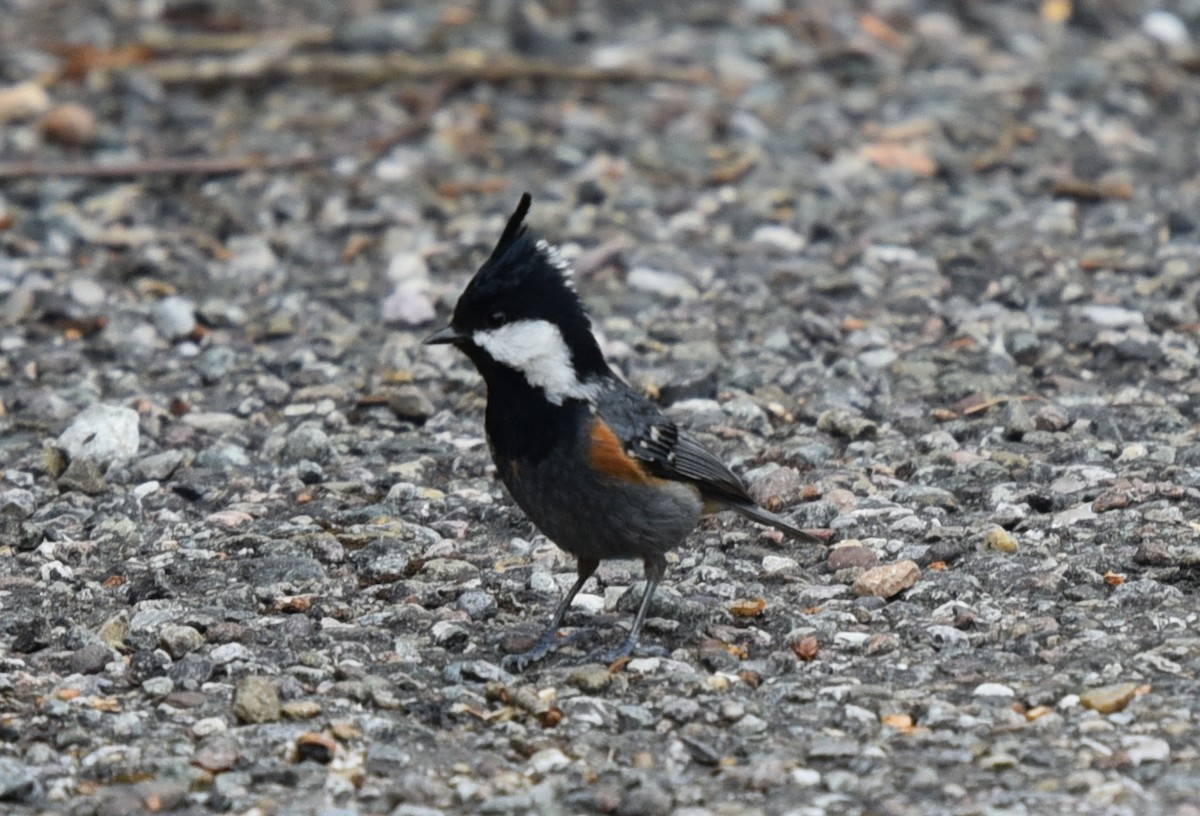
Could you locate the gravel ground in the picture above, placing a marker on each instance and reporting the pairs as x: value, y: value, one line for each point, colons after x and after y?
x: 926, y: 273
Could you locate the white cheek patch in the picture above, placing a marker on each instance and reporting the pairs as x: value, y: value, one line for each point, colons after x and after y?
x: 536, y: 348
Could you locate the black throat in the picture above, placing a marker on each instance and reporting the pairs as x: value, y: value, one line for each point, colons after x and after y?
x: 521, y: 423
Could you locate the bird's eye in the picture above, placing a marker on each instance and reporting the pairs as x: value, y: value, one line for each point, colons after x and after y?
x: 496, y: 319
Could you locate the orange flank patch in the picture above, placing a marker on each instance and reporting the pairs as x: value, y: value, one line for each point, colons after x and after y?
x: 607, y: 455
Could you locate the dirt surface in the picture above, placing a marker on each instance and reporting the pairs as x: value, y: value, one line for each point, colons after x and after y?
x: 926, y: 274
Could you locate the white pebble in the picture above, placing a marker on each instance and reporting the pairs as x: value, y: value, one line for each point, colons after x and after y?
x: 209, y: 725
x: 229, y: 652
x: 804, y: 777
x: 772, y: 564
x: 664, y: 284
x: 86, y: 292
x: 548, y: 760
x: 407, y: 266
x: 1132, y: 452
x: 102, y: 433
x: 644, y: 665
x: 780, y: 238
x: 174, y: 317
x: 145, y: 489
x: 250, y: 257
x: 56, y: 571
x: 588, y: 603
x: 1114, y: 317
x: 408, y: 305
x: 1165, y: 27
x: 851, y: 640
x: 541, y: 580
x: 1140, y: 748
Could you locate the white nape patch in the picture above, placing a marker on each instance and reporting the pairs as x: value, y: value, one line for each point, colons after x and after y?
x: 537, y: 349
x: 555, y: 257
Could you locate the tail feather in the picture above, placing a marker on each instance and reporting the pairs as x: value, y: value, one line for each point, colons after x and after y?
x: 756, y: 513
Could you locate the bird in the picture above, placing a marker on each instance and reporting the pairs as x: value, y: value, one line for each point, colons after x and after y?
x: 597, y: 467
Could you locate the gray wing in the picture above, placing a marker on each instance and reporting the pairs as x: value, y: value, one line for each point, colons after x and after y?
x: 717, y: 483
x: 695, y: 462
x: 669, y: 453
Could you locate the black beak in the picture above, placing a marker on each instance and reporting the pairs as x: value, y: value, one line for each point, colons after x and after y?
x: 443, y: 336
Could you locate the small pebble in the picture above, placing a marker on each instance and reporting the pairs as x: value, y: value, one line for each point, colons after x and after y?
x: 549, y: 760
x: 70, y: 124
x: 1166, y: 28
x: 1051, y: 418
x: 1000, y: 540
x: 179, y: 640
x: 1109, y: 699
x: 174, y: 317
x: 887, y: 580
x: 661, y: 284
x: 23, y: 101
x: 1017, y: 422
x: 102, y: 433
x: 256, y: 700
x: 844, y: 556
x: 590, y: 678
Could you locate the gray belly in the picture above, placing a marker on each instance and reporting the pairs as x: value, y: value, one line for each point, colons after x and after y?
x: 598, y: 518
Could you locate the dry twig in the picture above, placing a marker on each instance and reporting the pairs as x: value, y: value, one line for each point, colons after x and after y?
x: 199, y: 166
x: 374, y: 69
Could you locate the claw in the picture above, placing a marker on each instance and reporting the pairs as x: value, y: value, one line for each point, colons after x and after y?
x: 517, y: 663
x: 610, y: 655
x: 547, y: 644
x: 549, y: 641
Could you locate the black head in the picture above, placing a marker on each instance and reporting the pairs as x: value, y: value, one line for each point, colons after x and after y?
x: 523, y: 283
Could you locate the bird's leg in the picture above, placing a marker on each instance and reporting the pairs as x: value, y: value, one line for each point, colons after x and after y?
x: 656, y: 567
x: 549, y: 641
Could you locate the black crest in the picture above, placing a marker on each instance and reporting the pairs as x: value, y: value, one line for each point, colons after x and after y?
x: 525, y: 278
x: 519, y: 259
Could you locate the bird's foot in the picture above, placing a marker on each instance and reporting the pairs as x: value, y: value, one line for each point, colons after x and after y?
x: 547, y: 644
x: 626, y: 649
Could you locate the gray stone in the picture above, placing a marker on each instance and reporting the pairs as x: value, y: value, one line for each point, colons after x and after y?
x: 476, y: 671
x: 410, y: 402
x: 823, y: 747
x: 632, y: 715
x: 17, y: 503
x: 647, y: 799
x: 947, y: 638
x: 214, y: 364
x: 91, y: 658
x: 407, y: 30
x: 841, y: 422
x: 448, y: 570
x: 83, y: 476
x: 450, y: 635
x: 271, y: 570
x: 179, y: 640
x: 1017, y: 421
x: 223, y: 458
x: 307, y: 442
x: 479, y: 605
x: 158, y: 466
